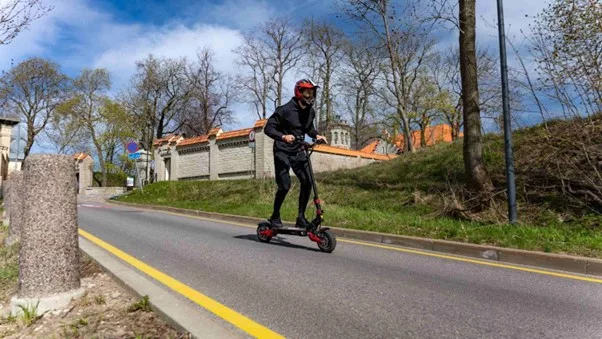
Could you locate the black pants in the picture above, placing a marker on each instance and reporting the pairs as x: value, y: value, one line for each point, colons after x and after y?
x: 283, y: 162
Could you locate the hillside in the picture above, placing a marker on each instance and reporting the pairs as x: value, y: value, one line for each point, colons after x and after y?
x: 422, y: 194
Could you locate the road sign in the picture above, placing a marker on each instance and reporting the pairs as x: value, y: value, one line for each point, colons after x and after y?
x: 252, y: 144
x: 252, y: 136
x: 134, y: 156
x: 132, y: 147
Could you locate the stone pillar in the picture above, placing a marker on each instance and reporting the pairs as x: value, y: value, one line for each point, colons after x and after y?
x: 214, y: 165
x: 15, y: 207
x: 49, y: 253
x: 6, y: 203
x: 175, y: 159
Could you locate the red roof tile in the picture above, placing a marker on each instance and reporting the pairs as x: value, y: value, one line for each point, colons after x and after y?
x: 342, y: 151
x: 260, y: 123
x: 196, y: 140
x: 371, y: 147
x: 235, y: 134
x: 80, y: 156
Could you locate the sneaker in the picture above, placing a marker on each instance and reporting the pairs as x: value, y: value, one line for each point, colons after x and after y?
x: 303, y: 223
x: 276, y: 222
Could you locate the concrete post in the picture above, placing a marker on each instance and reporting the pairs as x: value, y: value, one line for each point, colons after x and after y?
x: 6, y: 203
x: 214, y: 166
x: 15, y: 207
x: 49, y: 254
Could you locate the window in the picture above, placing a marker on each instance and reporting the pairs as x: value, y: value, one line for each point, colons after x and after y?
x: 336, y: 137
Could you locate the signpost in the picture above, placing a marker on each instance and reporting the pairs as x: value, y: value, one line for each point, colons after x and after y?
x: 133, y: 154
x: 132, y: 147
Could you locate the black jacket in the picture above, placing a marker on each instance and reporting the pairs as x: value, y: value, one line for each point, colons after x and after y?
x: 291, y: 119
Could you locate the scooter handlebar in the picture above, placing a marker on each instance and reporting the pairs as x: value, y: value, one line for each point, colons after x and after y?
x: 301, y: 140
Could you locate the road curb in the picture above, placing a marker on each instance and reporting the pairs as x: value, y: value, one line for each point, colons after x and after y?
x: 567, y: 263
x: 169, y: 307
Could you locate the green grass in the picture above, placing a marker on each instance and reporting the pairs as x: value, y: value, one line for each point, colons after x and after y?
x: 29, y: 314
x: 142, y: 305
x: 406, y: 195
x: 380, y: 210
x: 9, y: 265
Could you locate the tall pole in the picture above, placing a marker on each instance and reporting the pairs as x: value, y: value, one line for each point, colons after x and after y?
x: 510, y: 178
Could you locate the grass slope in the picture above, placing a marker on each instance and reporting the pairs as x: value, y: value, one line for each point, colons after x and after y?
x: 407, y: 196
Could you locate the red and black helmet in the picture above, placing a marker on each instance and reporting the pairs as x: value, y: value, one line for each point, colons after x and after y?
x: 302, y: 84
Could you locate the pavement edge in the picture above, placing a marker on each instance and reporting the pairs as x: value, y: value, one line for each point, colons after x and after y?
x: 138, y: 284
x: 568, y: 263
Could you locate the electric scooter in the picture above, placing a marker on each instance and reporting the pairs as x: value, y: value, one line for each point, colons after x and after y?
x: 325, y: 239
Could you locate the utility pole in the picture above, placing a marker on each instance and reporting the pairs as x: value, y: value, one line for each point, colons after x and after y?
x: 510, y: 175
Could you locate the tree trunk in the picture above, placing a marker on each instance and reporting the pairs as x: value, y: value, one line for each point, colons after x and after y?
x: 30, y: 140
x: 423, y: 135
x: 477, y: 177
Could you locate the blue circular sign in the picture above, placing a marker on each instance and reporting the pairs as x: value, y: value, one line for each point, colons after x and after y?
x: 132, y: 147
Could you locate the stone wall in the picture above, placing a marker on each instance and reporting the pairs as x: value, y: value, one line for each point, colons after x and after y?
x: 324, y: 162
x: 226, y: 155
x: 103, y: 191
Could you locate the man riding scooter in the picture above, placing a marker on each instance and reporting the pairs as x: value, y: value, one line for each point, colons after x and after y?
x: 290, y: 121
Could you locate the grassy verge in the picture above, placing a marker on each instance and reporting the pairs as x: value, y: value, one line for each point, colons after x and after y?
x: 360, y: 205
x: 558, y: 180
x: 9, y: 267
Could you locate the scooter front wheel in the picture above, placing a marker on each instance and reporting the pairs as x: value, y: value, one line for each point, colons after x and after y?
x: 262, y: 237
x: 329, y: 241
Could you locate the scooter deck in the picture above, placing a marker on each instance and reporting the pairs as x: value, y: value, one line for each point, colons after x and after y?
x: 295, y: 229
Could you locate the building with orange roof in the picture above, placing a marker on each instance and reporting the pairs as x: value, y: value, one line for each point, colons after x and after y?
x: 395, y: 145
x: 222, y: 155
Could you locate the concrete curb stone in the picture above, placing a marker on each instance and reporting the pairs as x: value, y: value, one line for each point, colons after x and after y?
x: 567, y: 263
x: 169, y: 306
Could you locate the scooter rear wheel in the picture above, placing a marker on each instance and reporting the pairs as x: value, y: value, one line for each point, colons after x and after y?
x: 329, y: 241
x: 261, y: 237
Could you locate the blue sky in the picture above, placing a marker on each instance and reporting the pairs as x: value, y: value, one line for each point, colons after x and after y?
x: 114, y: 34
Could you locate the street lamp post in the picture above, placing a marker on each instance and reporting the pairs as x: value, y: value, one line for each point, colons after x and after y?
x: 510, y: 175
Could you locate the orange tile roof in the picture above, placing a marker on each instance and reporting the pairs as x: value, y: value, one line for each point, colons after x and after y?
x: 162, y: 140
x: 196, y: 140
x: 352, y: 153
x: 213, y: 131
x: 371, y: 147
x: 235, y: 134
x: 80, y: 156
x: 170, y: 139
x: 260, y: 123
x: 433, y: 135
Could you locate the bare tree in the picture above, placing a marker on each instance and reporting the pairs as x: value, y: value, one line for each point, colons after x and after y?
x: 17, y: 15
x: 254, y: 57
x: 89, y: 94
x: 65, y: 133
x: 325, y: 43
x: 408, y: 43
x: 211, y: 96
x: 159, y: 93
x: 426, y: 105
x: 477, y: 177
x: 284, y: 45
x: 360, y: 71
x: 32, y: 90
x: 567, y: 46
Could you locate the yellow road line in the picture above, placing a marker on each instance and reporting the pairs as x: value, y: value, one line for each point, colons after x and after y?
x: 247, y: 325
x: 400, y: 249
x: 475, y: 261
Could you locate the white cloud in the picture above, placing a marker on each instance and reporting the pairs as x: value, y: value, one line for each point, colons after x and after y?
x: 173, y: 42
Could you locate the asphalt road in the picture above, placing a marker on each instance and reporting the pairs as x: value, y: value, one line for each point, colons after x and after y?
x: 356, y: 292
